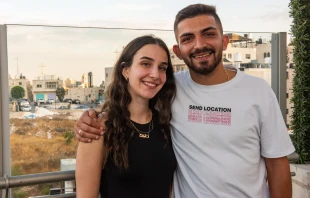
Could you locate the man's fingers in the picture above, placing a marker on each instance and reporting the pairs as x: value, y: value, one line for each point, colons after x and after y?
x: 86, y: 119
x: 81, y: 139
x: 92, y: 113
x: 88, y: 129
x: 83, y: 135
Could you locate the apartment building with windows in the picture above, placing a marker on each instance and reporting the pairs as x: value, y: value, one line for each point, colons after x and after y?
x: 23, y: 82
x: 44, y: 87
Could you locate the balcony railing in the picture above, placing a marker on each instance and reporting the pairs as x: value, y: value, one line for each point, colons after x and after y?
x: 42, y: 178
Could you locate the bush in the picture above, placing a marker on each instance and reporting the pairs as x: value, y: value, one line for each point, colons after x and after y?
x: 20, y: 132
x: 68, y: 136
x: 19, y: 193
x: 17, y: 170
x: 300, y: 11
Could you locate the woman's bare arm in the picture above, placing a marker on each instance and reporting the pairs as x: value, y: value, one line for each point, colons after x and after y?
x: 89, y: 161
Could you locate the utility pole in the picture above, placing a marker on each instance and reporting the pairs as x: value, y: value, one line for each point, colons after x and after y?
x: 17, y: 66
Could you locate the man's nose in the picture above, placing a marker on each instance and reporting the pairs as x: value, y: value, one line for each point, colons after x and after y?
x: 200, y: 43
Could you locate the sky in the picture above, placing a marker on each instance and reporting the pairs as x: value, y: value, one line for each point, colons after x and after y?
x: 72, y: 52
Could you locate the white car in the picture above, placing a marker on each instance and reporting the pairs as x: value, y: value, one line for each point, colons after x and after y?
x: 50, y: 101
x: 40, y: 100
x: 23, y: 103
x: 26, y: 108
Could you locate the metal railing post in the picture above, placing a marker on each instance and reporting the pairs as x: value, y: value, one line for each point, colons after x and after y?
x: 5, y: 159
x: 278, y: 69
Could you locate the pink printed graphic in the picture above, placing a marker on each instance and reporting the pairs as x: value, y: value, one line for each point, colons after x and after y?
x: 195, y: 116
x: 217, y: 118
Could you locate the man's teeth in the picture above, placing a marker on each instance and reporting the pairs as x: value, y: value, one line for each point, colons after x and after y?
x: 150, y: 84
x: 203, y: 55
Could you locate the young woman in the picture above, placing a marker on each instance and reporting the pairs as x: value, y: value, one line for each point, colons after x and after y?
x: 135, y: 156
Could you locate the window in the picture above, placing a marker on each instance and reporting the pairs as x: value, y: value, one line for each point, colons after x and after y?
x: 39, y: 86
x: 265, y: 55
x: 50, y: 85
x: 268, y: 54
x: 229, y: 56
x: 20, y: 83
x: 172, y: 56
x: 106, y: 75
x: 286, y: 95
x: 286, y: 111
x: 248, y: 56
x: 224, y: 55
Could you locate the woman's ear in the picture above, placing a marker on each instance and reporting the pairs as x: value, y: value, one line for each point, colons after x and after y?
x: 125, y: 72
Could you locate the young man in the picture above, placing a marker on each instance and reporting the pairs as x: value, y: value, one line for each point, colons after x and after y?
x: 227, y: 128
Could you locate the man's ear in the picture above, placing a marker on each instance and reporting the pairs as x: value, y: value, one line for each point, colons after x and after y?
x: 177, y: 52
x: 225, y: 41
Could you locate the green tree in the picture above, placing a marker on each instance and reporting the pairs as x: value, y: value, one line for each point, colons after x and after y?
x: 60, y: 93
x: 300, y: 29
x: 17, y: 92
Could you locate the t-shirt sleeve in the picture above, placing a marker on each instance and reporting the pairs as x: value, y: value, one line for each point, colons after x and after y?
x: 275, y: 140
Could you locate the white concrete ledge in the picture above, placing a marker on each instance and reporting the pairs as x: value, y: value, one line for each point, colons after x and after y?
x: 301, y: 181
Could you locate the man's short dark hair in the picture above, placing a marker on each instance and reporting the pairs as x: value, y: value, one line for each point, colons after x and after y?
x: 197, y: 10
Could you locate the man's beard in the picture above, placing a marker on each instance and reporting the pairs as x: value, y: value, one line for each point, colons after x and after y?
x: 204, y: 68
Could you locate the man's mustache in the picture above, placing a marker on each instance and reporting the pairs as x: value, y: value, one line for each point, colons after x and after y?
x: 202, y: 50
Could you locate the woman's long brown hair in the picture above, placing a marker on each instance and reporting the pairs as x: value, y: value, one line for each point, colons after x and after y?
x: 118, y: 98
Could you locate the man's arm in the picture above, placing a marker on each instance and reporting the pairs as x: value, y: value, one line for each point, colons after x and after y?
x: 279, y: 177
x: 88, y: 128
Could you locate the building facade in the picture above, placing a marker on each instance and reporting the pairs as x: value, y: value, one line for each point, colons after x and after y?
x: 23, y: 82
x: 44, y: 87
x: 89, y: 94
x: 90, y: 79
x: 108, y: 75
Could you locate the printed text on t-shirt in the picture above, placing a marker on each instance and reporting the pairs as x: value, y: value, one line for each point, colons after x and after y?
x: 209, y: 115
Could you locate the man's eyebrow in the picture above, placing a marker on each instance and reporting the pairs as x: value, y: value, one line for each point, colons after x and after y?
x: 186, y: 34
x: 208, y: 28
x: 203, y: 30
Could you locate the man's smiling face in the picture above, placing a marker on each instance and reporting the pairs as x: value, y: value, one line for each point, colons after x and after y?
x: 200, y: 43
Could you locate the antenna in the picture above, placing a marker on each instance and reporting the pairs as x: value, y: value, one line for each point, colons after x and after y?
x: 42, y: 69
x: 116, y: 52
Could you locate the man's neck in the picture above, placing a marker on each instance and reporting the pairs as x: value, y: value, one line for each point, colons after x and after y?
x: 217, y: 76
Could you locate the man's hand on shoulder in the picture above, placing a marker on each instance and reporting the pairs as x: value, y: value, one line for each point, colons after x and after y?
x: 88, y: 127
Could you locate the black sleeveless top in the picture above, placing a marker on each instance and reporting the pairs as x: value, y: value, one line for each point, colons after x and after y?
x: 151, y: 166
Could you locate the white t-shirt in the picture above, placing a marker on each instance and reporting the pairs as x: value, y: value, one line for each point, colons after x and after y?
x: 221, y: 133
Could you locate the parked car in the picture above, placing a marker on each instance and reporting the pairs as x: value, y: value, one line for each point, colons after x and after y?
x: 99, y: 102
x: 50, y: 101
x: 63, y: 107
x: 40, y: 100
x: 82, y: 107
x: 22, y: 103
x: 76, y: 101
x: 68, y: 100
x: 26, y: 108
